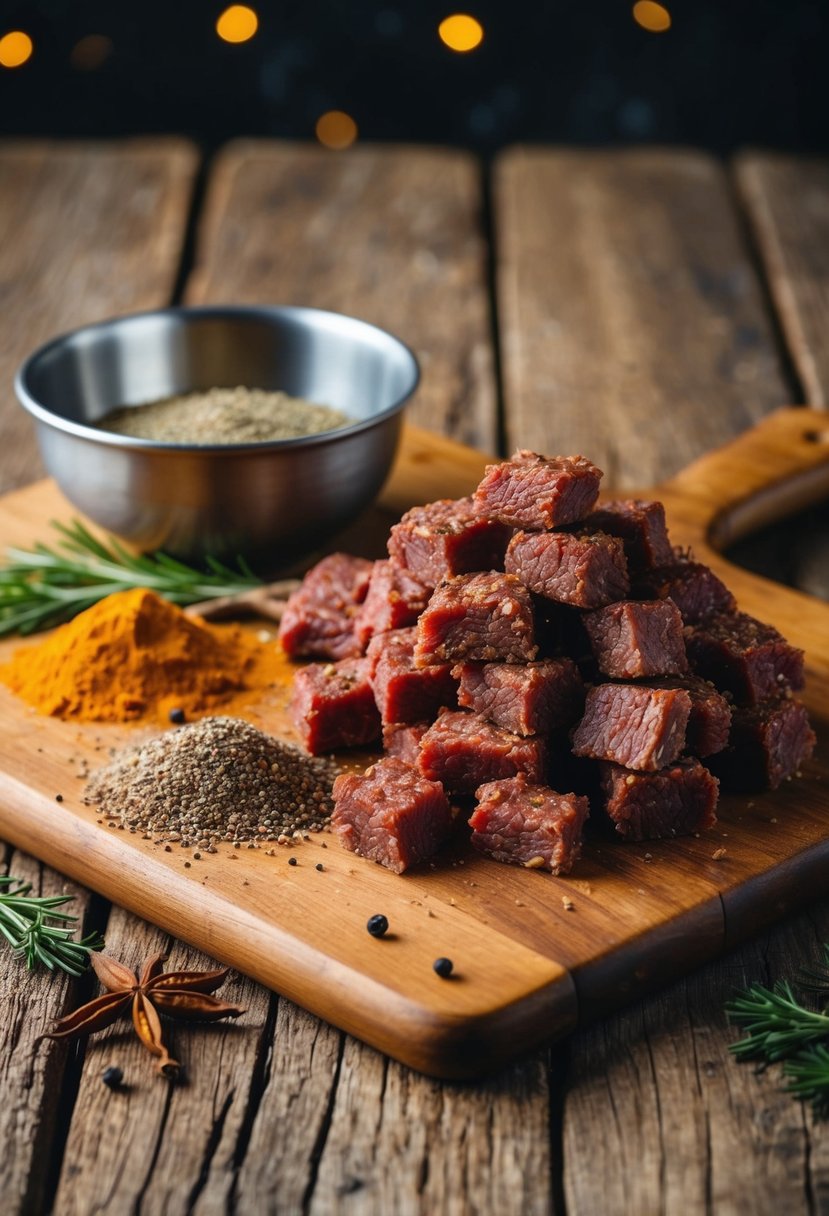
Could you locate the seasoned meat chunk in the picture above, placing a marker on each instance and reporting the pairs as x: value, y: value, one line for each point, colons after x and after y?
x: 446, y: 538
x: 767, y: 744
x: 637, y: 638
x: 318, y: 620
x: 332, y: 706
x: 525, y: 698
x: 394, y: 600
x: 676, y: 801
x: 403, y: 740
x: 585, y: 571
x: 710, y: 719
x: 536, y: 492
x: 392, y: 814
x: 463, y: 751
x: 695, y: 589
x: 640, y: 525
x: 403, y: 692
x: 633, y: 725
x: 528, y: 825
x: 745, y: 657
x: 482, y: 617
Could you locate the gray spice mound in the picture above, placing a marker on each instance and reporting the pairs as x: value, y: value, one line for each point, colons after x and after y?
x: 219, y: 779
x: 224, y: 416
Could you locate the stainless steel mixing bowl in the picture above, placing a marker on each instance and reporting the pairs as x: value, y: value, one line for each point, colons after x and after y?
x: 266, y: 500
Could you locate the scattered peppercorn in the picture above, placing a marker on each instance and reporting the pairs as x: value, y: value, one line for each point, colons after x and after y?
x: 319, y: 866
x: 442, y: 967
x: 177, y: 716
x: 292, y: 861
x: 112, y: 1077
x: 58, y: 797
x: 378, y: 925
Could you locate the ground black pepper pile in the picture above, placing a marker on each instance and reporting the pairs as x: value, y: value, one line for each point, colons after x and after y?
x: 219, y: 779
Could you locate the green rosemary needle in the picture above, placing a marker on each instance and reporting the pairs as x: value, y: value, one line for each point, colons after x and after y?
x: 39, y: 933
x: 47, y: 585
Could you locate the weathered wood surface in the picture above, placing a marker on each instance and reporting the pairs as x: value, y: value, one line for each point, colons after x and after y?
x: 392, y: 235
x: 538, y: 1139
x: 631, y: 323
x: 89, y: 231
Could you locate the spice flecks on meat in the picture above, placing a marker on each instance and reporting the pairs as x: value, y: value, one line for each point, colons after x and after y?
x: 538, y: 492
x: 483, y: 617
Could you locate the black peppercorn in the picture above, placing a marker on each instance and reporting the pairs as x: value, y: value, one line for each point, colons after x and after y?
x: 292, y: 861
x: 176, y: 716
x: 378, y: 925
x: 442, y: 967
x: 319, y: 866
x: 112, y: 1077
x: 58, y: 797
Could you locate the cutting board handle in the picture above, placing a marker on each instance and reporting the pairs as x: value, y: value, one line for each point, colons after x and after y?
x: 778, y: 467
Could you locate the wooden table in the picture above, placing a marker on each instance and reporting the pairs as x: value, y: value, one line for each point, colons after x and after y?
x: 638, y: 306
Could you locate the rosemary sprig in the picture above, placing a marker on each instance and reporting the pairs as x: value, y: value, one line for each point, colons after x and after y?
x: 780, y: 1027
x: 47, y: 585
x: 39, y: 933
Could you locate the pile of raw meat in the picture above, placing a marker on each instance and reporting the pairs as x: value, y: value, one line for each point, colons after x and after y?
x: 527, y: 650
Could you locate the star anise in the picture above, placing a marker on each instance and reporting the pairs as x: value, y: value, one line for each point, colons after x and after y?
x: 180, y: 994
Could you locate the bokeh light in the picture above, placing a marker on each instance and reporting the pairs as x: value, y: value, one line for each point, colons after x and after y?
x: 15, y: 49
x: 651, y: 16
x: 90, y: 52
x: 336, y: 129
x: 237, y: 23
x: 461, y: 33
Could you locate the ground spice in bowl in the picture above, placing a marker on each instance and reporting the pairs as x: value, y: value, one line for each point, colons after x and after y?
x: 134, y: 655
x: 224, y: 415
x: 220, y: 779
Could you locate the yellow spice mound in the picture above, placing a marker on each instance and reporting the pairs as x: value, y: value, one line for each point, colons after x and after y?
x: 135, y: 655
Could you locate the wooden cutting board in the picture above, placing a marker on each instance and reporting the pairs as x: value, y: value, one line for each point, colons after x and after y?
x: 534, y: 955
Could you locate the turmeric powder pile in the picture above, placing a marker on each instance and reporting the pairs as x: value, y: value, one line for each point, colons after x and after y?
x: 134, y: 655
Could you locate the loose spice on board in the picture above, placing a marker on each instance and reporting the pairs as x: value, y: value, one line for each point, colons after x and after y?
x: 134, y: 655
x: 224, y: 416
x: 219, y: 779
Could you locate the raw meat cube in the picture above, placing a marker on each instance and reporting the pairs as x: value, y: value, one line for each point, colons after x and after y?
x: 537, y: 492
x: 745, y: 657
x: 710, y: 719
x: 695, y: 589
x: 525, y: 698
x: 403, y: 692
x: 768, y: 743
x: 633, y: 725
x: 528, y: 825
x: 637, y: 638
x: 640, y: 525
x: 319, y: 617
x: 676, y: 801
x: 463, y: 751
x: 446, y: 538
x: 332, y: 706
x: 392, y: 814
x: 403, y: 741
x: 483, y: 617
x: 585, y: 571
x: 395, y: 599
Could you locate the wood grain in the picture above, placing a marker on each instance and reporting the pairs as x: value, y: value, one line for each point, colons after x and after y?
x: 392, y: 235
x: 521, y: 955
x: 632, y: 326
x: 90, y: 230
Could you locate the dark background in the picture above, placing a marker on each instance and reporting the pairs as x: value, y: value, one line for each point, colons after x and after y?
x: 727, y: 73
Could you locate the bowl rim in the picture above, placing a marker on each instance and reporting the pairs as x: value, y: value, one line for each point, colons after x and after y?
x: 42, y: 413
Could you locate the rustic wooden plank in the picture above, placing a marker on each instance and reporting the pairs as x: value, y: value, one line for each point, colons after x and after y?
x: 787, y: 203
x: 31, y: 1076
x: 390, y: 234
x: 632, y: 325
x: 90, y: 230
x: 160, y: 1138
